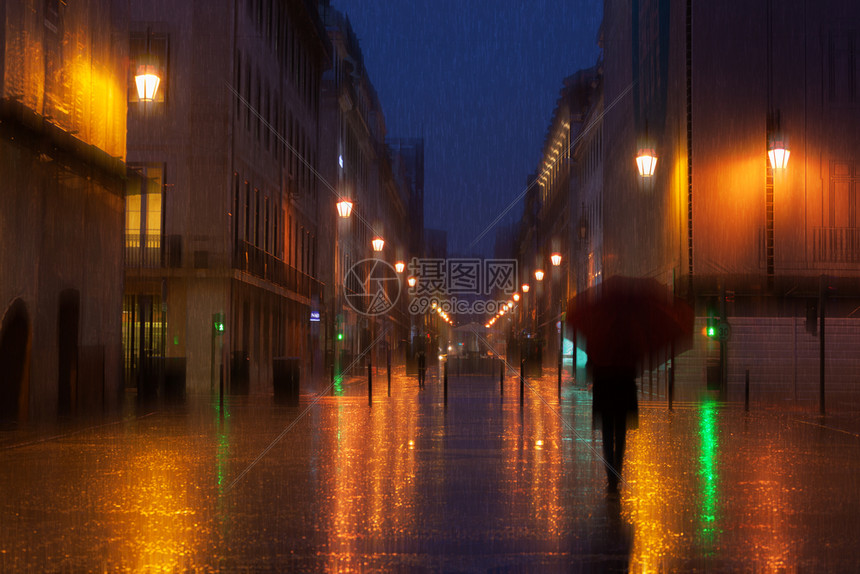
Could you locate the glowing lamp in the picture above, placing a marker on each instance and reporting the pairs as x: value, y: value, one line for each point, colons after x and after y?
x: 412, y: 281
x: 516, y: 296
x: 399, y: 266
x: 646, y: 161
x: 147, y: 79
x: 378, y: 244
x: 539, y: 275
x: 344, y: 208
x: 556, y: 259
x: 525, y: 287
x: 778, y: 153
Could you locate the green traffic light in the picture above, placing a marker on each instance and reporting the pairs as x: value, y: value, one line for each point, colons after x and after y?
x: 712, y: 332
x: 340, y: 336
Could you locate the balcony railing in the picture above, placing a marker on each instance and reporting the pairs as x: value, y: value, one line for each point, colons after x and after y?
x: 253, y: 260
x: 153, y: 251
x: 836, y: 245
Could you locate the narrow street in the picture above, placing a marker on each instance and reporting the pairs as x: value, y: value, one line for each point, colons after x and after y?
x: 410, y: 484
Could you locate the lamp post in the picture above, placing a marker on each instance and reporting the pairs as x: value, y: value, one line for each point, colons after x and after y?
x: 556, y: 263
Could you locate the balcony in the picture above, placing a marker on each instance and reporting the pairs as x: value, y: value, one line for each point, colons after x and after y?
x: 836, y: 245
x: 153, y: 251
x: 255, y: 261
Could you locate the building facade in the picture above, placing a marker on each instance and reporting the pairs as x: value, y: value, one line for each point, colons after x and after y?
x: 382, y: 186
x: 62, y: 166
x: 221, y: 211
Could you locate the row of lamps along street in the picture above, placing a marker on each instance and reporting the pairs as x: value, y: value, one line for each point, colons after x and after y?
x: 555, y: 258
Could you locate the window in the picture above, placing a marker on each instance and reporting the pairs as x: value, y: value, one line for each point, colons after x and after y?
x: 843, y: 194
x: 144, y: 212
x: 247, y: 235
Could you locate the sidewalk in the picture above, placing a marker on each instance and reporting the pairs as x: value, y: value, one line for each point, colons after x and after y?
x: 410, y: 484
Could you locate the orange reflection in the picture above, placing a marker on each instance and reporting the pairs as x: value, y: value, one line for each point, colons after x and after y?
x: 374, y: 477
x: 534, y: 462
x: 654, y: 497
x: 159, y: 528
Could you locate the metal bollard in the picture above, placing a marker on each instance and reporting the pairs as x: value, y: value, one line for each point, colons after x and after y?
x: 522, y: 381
x: 445, y: 381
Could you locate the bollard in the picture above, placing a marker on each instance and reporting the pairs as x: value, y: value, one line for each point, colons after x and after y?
x: 747, y: 391
x: 559, y: 373
x: 522, y: 381
x: 389, y: 371
x: 369, y: 381
x: 445, y: 381
x: 221, y: 391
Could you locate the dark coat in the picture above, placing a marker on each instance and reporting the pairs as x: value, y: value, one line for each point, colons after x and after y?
x: 614, y: 391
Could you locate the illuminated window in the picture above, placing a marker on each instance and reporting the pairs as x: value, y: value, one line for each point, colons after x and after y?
x: 143, y: 213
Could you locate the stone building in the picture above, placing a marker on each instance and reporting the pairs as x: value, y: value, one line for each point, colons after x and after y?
x: 62, y: 168
x: 221, y: 212
x: 360, y: 167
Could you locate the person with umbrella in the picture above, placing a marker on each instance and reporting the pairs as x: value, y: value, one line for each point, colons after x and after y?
x: 622, y: 320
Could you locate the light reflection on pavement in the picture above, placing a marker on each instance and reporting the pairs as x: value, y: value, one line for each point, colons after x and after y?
x: 410, y: 484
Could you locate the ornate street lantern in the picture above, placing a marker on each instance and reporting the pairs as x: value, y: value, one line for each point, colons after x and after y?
x: 412, y: 281
x: 378, y: 244
x: 778, y: 152
x: 525, y: 287
x: 556, y: 259
x: 399, y: 266
x: 344, y: 208
x: 646, y: 161
x: 147, y: 78
x: 539, y: 275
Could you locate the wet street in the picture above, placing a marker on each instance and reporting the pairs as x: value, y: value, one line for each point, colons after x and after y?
x: 410, y: 484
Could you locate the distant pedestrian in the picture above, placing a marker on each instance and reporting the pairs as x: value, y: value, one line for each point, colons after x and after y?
x: 422, y: 369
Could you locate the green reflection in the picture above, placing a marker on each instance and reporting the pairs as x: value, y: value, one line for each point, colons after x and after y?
x: 338, y: 386
x: 708, y: 473
x: 223, y: 447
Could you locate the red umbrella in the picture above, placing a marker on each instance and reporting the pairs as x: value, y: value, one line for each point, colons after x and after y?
x: 623, y: 319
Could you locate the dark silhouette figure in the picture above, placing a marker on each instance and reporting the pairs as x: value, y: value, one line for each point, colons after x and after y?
x: 422, y: 369
x: 615, y: 407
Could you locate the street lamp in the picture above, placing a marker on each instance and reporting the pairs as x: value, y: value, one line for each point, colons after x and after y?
x: 147, y: 78
x: 778, y: 152
x: 344, y: 208
x: 525, y: 287
x: 412, y: 281
x: 538, y: 275
x: 646, y: 161
x: 556, y: 259
x: 516, y: 296
x: 378, y: 243
x: 399, y: 266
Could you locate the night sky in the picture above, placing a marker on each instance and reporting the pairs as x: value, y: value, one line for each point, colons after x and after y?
x: 479, y: 80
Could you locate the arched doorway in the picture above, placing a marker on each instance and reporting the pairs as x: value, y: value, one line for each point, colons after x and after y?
x: 14, y: 360
x: 68, y: 319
